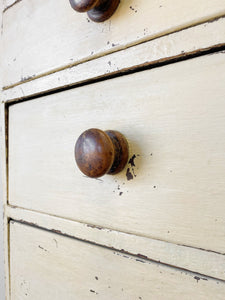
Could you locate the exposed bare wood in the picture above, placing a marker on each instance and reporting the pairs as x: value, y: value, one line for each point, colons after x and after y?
x: 180, y: 44
x: 3, y: 200
x: 9, y: 3
x: 65, y: 38
x: 49, y: 266
x: 173, y: 118
x: 200, y: 261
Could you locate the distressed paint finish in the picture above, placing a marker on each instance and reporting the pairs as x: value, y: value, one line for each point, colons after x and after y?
x: 194, y: 40
x: 188, y: 258
x: 174, y: 283
x: 49, y: 266
x: 4, y: 277
x: 9, y: 3
x: 3, y: 250
x: 71, y: 38
x: 173, y: 118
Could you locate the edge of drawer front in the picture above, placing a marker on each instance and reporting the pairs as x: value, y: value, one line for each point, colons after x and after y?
x: 47, y: 265
x: 200, y: 261
x: 179, y: 45
x: 48, y: 35
x: 179, y: 145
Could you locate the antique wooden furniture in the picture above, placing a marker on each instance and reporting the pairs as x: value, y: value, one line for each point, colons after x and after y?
x: 151, y: 79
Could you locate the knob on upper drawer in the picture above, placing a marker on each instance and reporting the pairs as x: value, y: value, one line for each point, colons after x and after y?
x: 100, y: 152
x: 98, y: 10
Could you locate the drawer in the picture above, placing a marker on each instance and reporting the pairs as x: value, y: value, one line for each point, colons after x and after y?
x: 173, y: 186
x: 49, y: 266
x: 49, y: 35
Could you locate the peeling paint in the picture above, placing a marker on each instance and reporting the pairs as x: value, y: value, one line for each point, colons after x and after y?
x: 11, y: 5
x: 129, y: 174
x: 142, y: 256
x: 42, y: 248
x: 131, y: 161
x: 94, y: 226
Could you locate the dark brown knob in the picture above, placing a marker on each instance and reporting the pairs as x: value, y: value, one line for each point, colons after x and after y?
x: 100, y: 152
x: 98, y: 10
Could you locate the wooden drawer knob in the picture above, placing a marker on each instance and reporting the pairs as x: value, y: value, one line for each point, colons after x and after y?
x: 98, y: 10
x: 100, y: 152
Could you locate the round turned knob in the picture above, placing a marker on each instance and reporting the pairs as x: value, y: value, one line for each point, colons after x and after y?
x: 100, y: 152
x: 98, y: 10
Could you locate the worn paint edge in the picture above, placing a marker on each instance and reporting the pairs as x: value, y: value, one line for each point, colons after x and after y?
x: 164, y: 33
x: 126, y: 62
x: 186, y: 258
x: 138, y: 257
x: 3, y: 198
x: 6, y: 7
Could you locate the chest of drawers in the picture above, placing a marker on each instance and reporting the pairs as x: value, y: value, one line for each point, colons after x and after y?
x: 154, y: 71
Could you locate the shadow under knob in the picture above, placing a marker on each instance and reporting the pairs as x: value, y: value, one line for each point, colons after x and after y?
x: 100, y: 152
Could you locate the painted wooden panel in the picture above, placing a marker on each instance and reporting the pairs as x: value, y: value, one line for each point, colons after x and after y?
x: 48, y: 35
x: 196, y: 260
x: 174, y: 119
x: 193, y: 40
x: 47, y: 266
x: 8, y: 3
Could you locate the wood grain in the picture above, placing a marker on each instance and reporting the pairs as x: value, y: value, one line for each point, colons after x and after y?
x: 49, y: 266
x: 48, y: 36
x: 172, y: 188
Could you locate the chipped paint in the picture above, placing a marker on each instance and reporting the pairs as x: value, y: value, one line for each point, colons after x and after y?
x: 129, y: 174
x: 94, y: 226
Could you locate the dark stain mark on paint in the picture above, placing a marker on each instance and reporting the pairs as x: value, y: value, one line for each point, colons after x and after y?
x: 42, y: 248
x: 129, y: 175
x: 94, y: 226
x: 131, y: 161
x: 197, y: 278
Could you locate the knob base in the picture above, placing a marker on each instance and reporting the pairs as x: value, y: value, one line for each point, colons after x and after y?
x: 103, y: 11
x: 121, y: 151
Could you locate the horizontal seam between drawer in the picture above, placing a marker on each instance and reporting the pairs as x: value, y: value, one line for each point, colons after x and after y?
x: 217, y: 49
x: 138, y: 257
x: 110, y: 51
x: 112, y: 229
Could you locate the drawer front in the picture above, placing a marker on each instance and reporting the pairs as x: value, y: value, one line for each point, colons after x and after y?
x: 49, y: 266
x: 173, y: 186
x: 49, y: 35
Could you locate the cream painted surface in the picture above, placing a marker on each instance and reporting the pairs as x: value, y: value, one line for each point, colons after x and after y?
x: 2, y: 268
x: 173, y: 117
x: 48, y: 35
x: 3, y: 201
x: 2, y: 175
x: 192, y: 259
x: 2, y: 188
x: 178, y: 44
x: 8, y: 3
x: 46, y: 266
